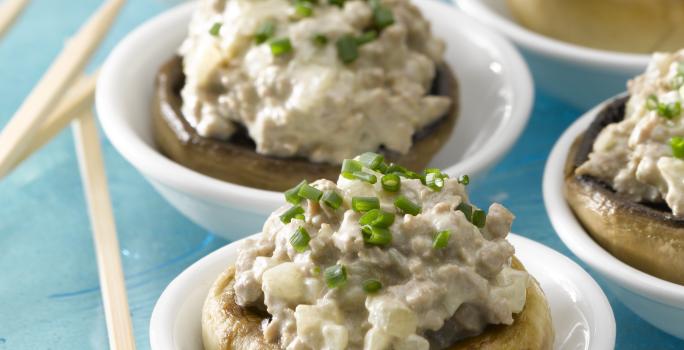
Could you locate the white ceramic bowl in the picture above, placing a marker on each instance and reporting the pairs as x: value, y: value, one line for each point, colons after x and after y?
x: 495, y: 100
x: 579, y: 75
x: 659, y: 302
x: 582, y: 316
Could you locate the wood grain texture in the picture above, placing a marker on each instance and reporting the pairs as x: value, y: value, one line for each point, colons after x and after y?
x: 112, y: 285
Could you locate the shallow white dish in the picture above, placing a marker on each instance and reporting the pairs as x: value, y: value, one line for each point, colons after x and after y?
x: 495, y: 100
x: 578, y: 75
x: 657, y: 301
x: 582, y: 316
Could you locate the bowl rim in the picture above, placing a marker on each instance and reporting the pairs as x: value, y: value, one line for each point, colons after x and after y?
x: 154, y: 165
x: 166, y: 308
x: 547, y: 46
x: 578, y: 240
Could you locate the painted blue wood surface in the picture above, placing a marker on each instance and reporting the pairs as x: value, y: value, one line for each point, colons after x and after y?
x: 49, y: 295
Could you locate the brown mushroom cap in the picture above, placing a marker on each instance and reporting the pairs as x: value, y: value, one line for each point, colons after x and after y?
x: 227, y: 326
x: 236, y: 161
x: 646, y: 236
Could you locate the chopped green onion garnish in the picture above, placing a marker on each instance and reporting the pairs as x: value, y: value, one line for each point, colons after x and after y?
x: 366, y: 37
x: 382, y: 17
x: 319, y: 40
x: 671, y: 110
x: 652, y: 103
x: 300, y: 240
x: 371, y: 286
x: 347, y: 49
x: 365, y: 177
x: 467, y: 210
x: 292, y: 195
x: 364, y: 204
x: 434, y: 181
x: 441, y: 239
x: 371, y: 160
x: 339, y: 3
x: 316, y: 270
x: 265, y: 32
x: 309, y: 192
x: 281, y: 46
x: 479, y: 218
x: 376, y: 235
x: 335, y: 276
x: 304, y: 8
x: 215, y: 29
x: 291, y: 213
x: 464, y: 180
x: 349, y: 167
x: 677, y: 144
x: 332, y: 199
x: 406, y: 206
x: 377, y: 218
x: 391, y: 182
x: 300, y: 217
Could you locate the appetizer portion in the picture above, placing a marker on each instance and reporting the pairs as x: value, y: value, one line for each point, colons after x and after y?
x: 638, y: 26
x: 303, y: 85
x: 385, y: 258
x: 625, y: 176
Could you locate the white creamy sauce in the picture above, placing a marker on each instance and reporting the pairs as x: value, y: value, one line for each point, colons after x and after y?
x: 634, y: 155
x: 309, y: 103
x: 429, y: 296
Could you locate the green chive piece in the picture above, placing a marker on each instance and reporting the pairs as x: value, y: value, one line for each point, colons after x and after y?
x: 338, y: 3
x: 366, y: 37
x: 479, y: 218
x: 467, y: 210
x: 319, y: 40
x: 332, y: 199
x: 434, y: 181
x: 304, y: 8
x: 335, y: 276
x: 671, y: 110
x: 365, y: 177
x: 677, y: 144
x: 391, y: 182
x: 300, y: 217
x: 376, y: 235
x: 292, y: 195
x: 281, y: 46
x: 291, y: 213
x: 347, y: 49
x: 377, y: 218
x: 652, y: 103
x: 265, y: 32
x: 309, y: 192
x: 349, y: 167
x: 371, y: 160
x: 382, y: 17
x: 464, y: 180
x: 371, y: 286
x: 441, y: 239
x: 406, y: 206
x: 300, y: 240
x: 364, y: 204
x: 215, y: 29
x: 316, y: 270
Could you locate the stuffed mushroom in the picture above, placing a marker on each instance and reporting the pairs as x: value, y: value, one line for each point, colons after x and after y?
x: 625, y: 175
x: 383, y: 259
x: 266, y: 93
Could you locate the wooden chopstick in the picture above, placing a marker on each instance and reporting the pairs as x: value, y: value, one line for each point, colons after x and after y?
x: 9, y: 11
x: 79, y: 98
x: 112, y: 285
x: 24, y: 125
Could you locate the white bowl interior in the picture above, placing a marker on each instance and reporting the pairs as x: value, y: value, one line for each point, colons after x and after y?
x: 659, y: 302
x: 582, y: 316
x: 495, y: 100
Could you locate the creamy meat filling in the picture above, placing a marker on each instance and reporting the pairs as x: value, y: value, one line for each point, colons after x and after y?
x: 380, y: 261
x: 324, y: 80
x: 642, y: 156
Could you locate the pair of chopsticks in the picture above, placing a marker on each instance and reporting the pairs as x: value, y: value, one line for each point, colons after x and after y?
x: 43, y: 114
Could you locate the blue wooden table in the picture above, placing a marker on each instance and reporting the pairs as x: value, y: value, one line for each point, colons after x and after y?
x: 49, y: 294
